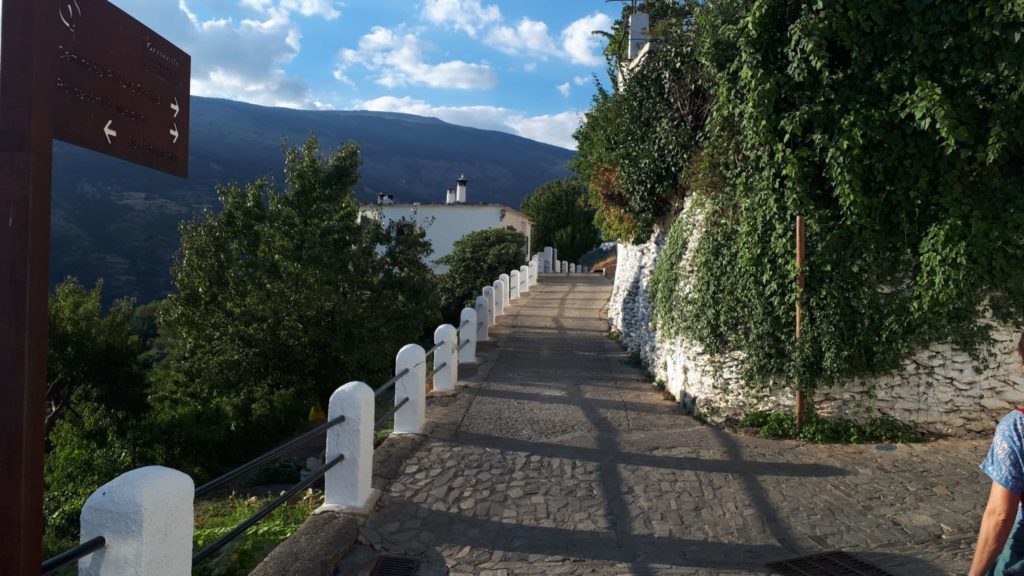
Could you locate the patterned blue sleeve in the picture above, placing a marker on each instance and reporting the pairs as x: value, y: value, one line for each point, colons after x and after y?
x: 1005, y: 461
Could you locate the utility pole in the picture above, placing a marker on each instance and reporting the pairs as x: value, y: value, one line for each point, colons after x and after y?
x: 800, y: 236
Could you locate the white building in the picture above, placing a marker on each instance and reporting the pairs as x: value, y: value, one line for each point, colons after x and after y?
x: 446, y: 223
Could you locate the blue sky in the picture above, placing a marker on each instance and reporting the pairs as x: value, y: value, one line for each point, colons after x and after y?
x: 520, y: 66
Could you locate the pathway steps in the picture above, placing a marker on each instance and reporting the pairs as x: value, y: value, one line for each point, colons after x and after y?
x: 565, y: 460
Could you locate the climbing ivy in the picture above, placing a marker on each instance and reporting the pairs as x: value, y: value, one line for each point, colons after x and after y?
x: 897, y: 129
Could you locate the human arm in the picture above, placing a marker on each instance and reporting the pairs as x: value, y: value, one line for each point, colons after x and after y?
x: 996, y: 524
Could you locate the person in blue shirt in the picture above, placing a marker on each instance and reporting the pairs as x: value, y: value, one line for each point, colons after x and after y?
x: 1000, y: 549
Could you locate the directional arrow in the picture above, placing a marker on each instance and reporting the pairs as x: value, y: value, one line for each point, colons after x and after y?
x: 109, y: 132
x: 175, y: 107
x: 174, y: 132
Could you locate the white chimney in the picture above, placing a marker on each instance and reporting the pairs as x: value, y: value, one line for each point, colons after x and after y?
x: 460, y: 195
x: 450, y: 197
x: 639, y: 32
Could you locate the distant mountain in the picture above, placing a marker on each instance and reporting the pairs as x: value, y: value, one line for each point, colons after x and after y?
x: 118, y: 221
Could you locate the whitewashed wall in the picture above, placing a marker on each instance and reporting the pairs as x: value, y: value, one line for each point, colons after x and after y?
x: 936, y: 390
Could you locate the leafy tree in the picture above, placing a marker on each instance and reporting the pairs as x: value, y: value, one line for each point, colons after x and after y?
x: 92, y: 356
x: 562, y: 218
x: 281, y: 297
x: 476, y: 260
x: 637, y: 143
x: 96, y: 399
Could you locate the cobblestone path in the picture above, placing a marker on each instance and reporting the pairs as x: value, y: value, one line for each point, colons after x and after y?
x: 557, y: 457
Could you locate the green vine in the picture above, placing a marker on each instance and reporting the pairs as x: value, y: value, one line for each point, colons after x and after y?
x: 897, y: 130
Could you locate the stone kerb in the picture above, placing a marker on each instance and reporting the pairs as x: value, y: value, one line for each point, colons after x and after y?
x: 446, y: 358
x: 499, y: 298
x: 482, y: 312
x: 488, y: 293
x: 146, y: 517
x: 411, y: 418
x: 467, y: 336
x: 513, y: 285
x: 507, y: 288
x: 348, y: 485
x: 524, y: 278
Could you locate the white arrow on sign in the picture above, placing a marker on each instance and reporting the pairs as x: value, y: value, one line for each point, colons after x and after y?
x: 108, y: 132
x: 175, y: 107
x: 174, y: 132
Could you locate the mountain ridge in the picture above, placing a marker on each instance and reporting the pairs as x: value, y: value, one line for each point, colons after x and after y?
x: 118, y: 221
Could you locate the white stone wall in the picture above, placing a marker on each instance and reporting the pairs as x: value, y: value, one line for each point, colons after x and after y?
x: 937, y: 390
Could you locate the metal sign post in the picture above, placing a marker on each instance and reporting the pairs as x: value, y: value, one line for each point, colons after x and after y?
x: 84, y: 72
x: 27, y: 77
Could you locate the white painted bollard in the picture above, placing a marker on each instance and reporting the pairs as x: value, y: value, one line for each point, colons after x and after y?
x: 572, y: 268
x: 482, y: 312
x: 524, y: 279
x: 488, y: 292
x: 147, y: 519
x: 534, y: 272
x: 549, y: 259
x: 446, y: 358
x: 499, y: 298
x: 507, y: 287
x: 411, y: 417
x: 513, y: 285
x: 565, y: 267
x: 348, y: 487
x: 467, y: 336
x: 554, y: 256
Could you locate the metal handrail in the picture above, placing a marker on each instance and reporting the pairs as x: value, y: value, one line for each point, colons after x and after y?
x: 480, y: 323
x: 384, y: 388
x: 464, y: 322
x: 266, y: 510
x: 81, y: 551
x: 435, y: 348
x: 439, y: 368
x: 380, y: 421
x: 464, y: 343
x: 263, y: 459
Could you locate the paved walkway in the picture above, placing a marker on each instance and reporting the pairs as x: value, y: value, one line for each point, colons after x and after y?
x: 561, y: 459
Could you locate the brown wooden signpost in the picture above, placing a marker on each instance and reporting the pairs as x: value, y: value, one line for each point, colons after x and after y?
x: 84, y: 72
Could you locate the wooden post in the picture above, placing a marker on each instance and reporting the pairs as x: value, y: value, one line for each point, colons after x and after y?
x: 27, y: 87
x: 800, y: 237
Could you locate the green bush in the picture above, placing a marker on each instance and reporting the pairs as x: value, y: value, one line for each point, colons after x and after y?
x: 476, y: 260
x: 782, y: 425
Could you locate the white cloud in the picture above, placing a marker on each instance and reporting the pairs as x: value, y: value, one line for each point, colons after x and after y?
x: 564, y: 89
x: 238, y: 58
x: 466, y: 15
x: 580, y: 80
x: 530, y: 66
x: 398, y: 60
x: 556, y: 129
x: 528, y: 37
x: 323, y: 8
x: 580, y: 44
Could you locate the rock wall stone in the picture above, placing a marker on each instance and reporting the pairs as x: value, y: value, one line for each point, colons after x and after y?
x: 937, y: 390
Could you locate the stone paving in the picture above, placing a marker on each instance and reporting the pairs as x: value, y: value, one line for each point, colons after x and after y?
x: 561, y: 459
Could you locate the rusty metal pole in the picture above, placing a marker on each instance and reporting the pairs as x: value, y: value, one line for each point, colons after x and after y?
x: 27, y: 81
x: 800, y: 235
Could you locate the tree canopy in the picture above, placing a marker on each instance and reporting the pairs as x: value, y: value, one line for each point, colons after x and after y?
x: 476, y: 260
x: 562, y: 217
x: 282, y: 296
